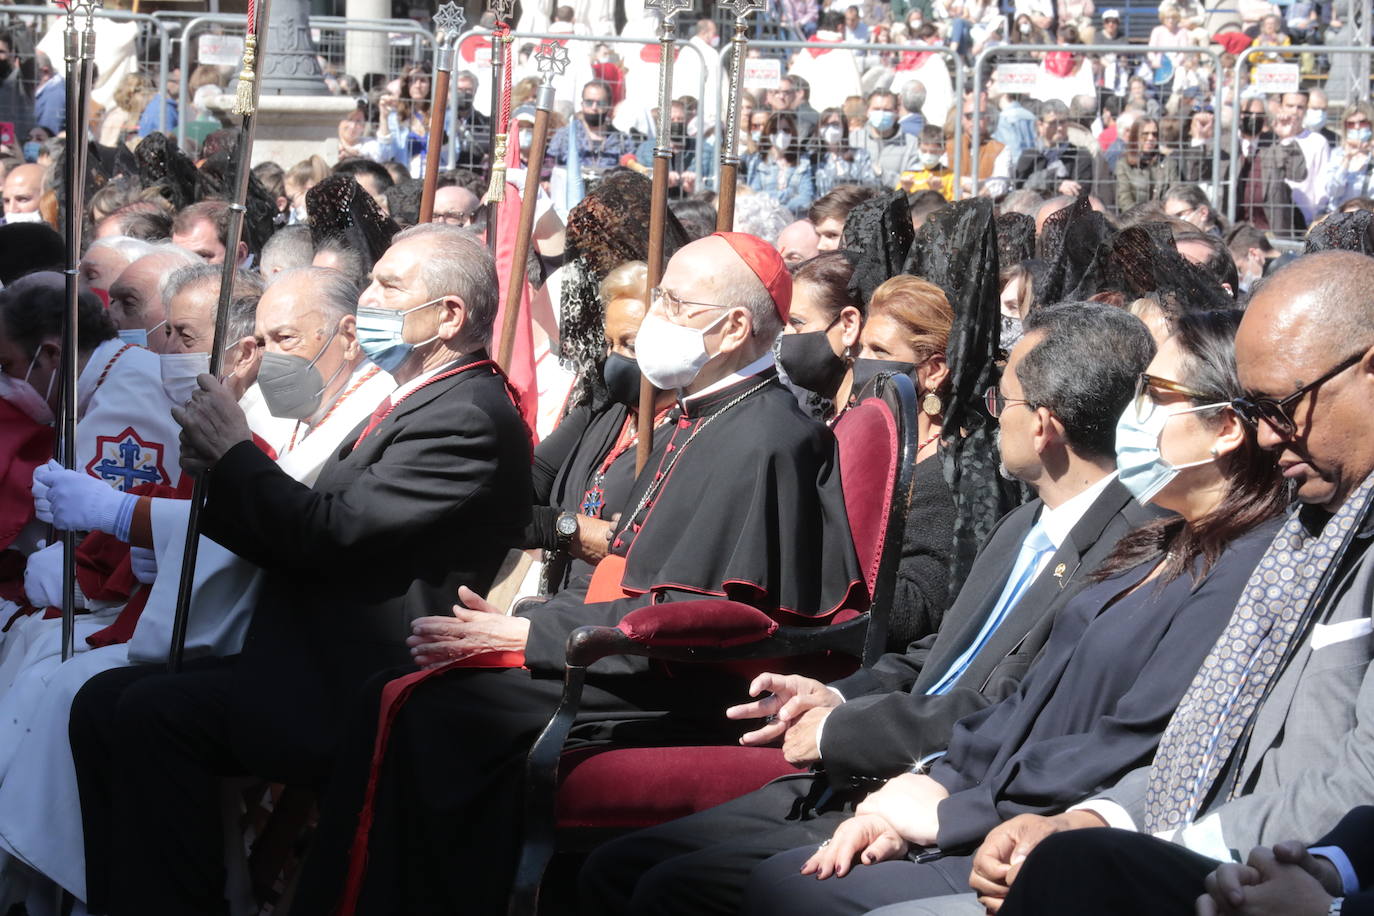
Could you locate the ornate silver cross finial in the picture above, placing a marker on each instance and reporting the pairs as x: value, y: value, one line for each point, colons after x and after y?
x: 743, y: 9
x: 551, y: 59
x: 668, y: 8
x: 503, y: 9
x: 448, y: 22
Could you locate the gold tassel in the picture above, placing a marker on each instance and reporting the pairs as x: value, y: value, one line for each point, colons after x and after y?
x: 496, y: 191
x: 243, y: 98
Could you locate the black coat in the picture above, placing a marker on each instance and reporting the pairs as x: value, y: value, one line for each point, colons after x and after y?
x: 428, y: 501
x: 1354, y: 835
x: 888, y: 722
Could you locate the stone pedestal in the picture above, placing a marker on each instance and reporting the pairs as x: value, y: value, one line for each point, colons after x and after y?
x: 366, y: 52
x: 290, y: 128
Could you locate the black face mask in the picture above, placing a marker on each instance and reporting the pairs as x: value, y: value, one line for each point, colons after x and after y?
x: 594, y: 117
x: 464, y: 100
x: 622, y: 378
x: 1251, y: 123
x: 810, y: 362
x: 866, y: 370
x: 677, y: 132
x: 6, y: 68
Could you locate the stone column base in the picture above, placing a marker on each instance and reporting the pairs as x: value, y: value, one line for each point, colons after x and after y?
x: 293, y: 127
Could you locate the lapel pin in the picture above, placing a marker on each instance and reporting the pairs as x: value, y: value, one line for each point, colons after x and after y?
x: 1060, y: 570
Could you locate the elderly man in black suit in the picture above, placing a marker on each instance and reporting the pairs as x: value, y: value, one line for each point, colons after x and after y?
x: 1065, y: 383
x: 421, y: 500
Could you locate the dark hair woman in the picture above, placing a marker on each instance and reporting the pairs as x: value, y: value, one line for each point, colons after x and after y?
x: 837, y: 162
x: 1119, y: 658
x: 1144, y: 172
x: 821, y: 340
x: 782, y: 170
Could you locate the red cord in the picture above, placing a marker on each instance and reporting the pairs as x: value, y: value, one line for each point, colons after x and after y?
x: 252, y: 17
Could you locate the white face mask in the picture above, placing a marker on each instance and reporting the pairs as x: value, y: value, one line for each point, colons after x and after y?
x: 756, y: 135
x: 23, y: 395
x: 782, y: 140
x: 33, y: 216
x: 1315, y: 119
x: 930, y: 161
x: 179, y: 372
x: 671, y: 355
x: 832, y: 134
x: 526, y: 138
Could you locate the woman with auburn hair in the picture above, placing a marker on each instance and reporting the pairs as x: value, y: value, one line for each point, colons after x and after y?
x: 1144, y: 172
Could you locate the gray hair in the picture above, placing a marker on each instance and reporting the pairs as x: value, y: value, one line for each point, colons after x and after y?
x: 289, y: 246
x: 1052, y: 107
x: 332, y: 290
x: 460, y: 266
x: 1085, y: 369
x: 750, y: 294
x: 246, y: 283
x: 127, y: 247
x: 914, y: 96
x: 243, y: 318
x: 180, y: 258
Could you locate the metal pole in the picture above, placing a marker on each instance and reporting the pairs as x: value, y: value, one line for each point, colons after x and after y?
x: 79, y: 48
x: 553, y: 61
x: 728, y: 167
x: 448, y: 22
x: 246, y: 105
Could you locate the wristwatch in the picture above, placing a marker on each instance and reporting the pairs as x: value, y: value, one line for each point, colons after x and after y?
x: 566, y: 529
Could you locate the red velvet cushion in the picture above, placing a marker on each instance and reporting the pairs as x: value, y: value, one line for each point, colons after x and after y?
x: 710, y: 622
x: 867, y: 437
x: 629, y: 788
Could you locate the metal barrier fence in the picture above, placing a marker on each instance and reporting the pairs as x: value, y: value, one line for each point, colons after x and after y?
x: 1313, y: 183
x: 988, y: 54
x: 701, y: 158
x: 236, y: 25
x: 146, y: 21
x: 956, y: 88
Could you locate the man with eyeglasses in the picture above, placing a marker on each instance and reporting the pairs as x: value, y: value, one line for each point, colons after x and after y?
x: 455, y: 205
x: 599, y: 144
x: 1066, y: 382
x: 1056, y: 166
x: 1304, y: 755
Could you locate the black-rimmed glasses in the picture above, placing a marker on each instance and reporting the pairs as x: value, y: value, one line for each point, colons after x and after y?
x: 1276, y: 412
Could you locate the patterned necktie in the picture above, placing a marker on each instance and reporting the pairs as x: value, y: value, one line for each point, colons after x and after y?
x: 1227, y: 689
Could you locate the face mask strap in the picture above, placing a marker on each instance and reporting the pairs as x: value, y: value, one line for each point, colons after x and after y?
x: 1159, y: 440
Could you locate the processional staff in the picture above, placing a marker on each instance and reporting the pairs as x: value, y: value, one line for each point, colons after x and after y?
x: 552, y: 59
x: 658, y: 201
x: 79, y: 47
x: 501, y: 39
x: 729, y: 150
x: 245, y: 104
x: 448, y: 22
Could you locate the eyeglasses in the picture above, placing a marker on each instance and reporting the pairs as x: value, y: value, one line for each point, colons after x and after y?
x: 595, y: 103
x: 1362, y: 122
x: 997, y: 403
x: 1054, y: 122
x: 673, y: 306
x: 1277, y: 412
x: 453, y: 217
x: 1142, y: 403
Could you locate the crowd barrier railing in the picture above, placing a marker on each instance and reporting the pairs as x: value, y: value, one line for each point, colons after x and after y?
x: 957, y: 81
x: 1359, y: 89
x: 164, y: 35
x: 237, y: 24
x: 989, y: 54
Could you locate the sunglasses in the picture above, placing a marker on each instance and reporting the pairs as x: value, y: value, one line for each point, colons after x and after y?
x: 1277, y: 413
x: 1363, y: 122
x: 1143, y: 403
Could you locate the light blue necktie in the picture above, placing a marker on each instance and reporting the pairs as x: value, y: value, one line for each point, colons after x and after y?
x: 1034, y: 548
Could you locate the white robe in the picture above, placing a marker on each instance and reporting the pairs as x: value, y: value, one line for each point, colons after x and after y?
x: 40, y: 814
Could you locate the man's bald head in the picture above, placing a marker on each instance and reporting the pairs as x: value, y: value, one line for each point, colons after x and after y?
x: 798, y: 242
x: 23, y: 189
x: 136, y: 297
x: 1303, y: 322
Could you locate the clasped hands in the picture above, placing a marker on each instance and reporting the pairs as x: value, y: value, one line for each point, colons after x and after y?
x: 1285, y: 880
x: 476, y: 628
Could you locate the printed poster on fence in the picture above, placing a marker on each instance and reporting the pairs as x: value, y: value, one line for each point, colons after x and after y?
x: 219, y: 50
x: 762, y: 73
x: 1016, y: 78
x: 1276, y: 78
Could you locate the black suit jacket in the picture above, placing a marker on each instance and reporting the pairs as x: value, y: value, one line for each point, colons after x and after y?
x: 428, y: 501
x: 1355, y: 837
x: 888, y: 723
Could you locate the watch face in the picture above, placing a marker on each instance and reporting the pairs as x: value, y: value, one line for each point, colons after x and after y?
x: 567, y: 525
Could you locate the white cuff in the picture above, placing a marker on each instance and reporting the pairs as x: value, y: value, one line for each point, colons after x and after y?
x: 1337, y: 857
x: 1115, y: 815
